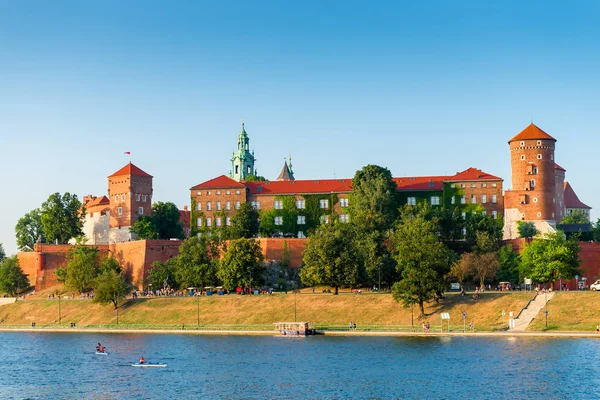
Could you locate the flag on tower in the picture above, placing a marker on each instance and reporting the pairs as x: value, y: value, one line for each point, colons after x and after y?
x: 128, y: 152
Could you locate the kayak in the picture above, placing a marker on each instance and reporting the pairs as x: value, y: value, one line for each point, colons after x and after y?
x: 149, y: 365
x: 101, y: 353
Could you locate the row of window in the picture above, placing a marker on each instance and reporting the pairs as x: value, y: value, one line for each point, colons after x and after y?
x: 435, y: 200
x: 301, y: 220
x: 539, y: 157
x: 218, y: 192
x: 300, y: 204
x: 473, y: 185
x: 140, y: 211
x: 494, y: 214
x: 217, y: 205
x: 218, y: 221
x: 138, y: 197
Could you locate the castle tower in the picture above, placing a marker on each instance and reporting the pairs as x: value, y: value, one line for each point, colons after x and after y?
x: 130, y: 195
x: 532, y: 196
x: 286, y: 173
x: 242, y: 161
x: 559, y: 198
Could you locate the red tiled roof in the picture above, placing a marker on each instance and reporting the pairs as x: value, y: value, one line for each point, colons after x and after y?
x: 472, y: 174
x: 571, y: 199
x: 420, y: 183
x: 301, y: 186
x: 97, y: 201
x: 556, y: 166
x: 219, y: 183
x: 531, y: 132
x: 184, y: 217
x: 130, y: 169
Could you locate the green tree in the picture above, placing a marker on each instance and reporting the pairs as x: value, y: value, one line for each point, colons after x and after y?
x: 463, y: 268
x: 476, y: 224
x: 527, y: 230
x: 197, y: 263
x: 244, y: 223
x: 110, y: 287
x: 373, y: 201
x: 422, y: 261
x: 144, y: 229
x: 62, y: 218
x: 29, y: 229
x: 2, y: 253
x: 379, y: 264
x: 12, y: 278
x: 110, y: 264
x: 332, y: 258
x: 509, y: 264
x: 255, y: 178
x: 242, y: 264
x: 163, y: 274
x: 551, y: 258
x: 576, y: 217
x: 82, y: 267
x: 596, y: 230
x: 164, y: 223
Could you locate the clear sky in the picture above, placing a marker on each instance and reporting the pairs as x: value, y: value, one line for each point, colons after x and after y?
x: 421, y: 87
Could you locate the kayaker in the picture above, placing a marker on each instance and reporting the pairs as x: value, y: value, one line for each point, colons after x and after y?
x: 142, y: 360
x: 98, y: 346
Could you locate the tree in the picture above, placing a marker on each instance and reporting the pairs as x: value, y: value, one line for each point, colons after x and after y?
x: 477, y: 223
x: 12, y: 278
x: 110, y: 264
x: 373, y: 201
x: 596, y: 230
x: 163, y: 274
x: 486, y: 266
x: 379, y: 264
x: 62, y: 218
x: 244, y: 223
x: 242, y: 264
x: 29, y: 229
x: 526, y: 230
x: 2, y: 253
x: 576, y: 217
x: 197, y: 263
x: 509, y: 264
x: 462, y: 269
x: 82, y: 267
x: 332, y: 257
x: 422, y: 261
x: 163, y: 224
x: 110, y: 287
x: 551, y: 258
x: 255, y: 178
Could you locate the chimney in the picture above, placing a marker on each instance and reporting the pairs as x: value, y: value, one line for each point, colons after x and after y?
x: 185, y: 208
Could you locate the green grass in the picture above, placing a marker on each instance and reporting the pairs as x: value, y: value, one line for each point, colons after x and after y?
x: 570, y: 311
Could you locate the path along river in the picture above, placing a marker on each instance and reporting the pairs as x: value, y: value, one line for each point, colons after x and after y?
x: 64, y: 366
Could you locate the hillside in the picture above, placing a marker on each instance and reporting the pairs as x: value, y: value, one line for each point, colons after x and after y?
x: 570, y: 311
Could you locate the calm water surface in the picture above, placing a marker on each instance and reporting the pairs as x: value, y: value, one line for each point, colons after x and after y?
x: 63, y: 366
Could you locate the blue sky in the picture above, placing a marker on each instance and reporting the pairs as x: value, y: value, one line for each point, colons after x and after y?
x: 423, y: 88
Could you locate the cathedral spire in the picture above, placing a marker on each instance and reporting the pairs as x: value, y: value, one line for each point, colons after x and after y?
x: 242, y: 161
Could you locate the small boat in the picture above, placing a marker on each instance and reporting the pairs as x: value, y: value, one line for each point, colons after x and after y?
x: 148, y: 365
x: 101, y: 353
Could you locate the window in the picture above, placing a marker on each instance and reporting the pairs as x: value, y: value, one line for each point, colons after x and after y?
x: 464, y: 214
x: 464, y: 231
x: 138, y: 197
x: 452, y: 200
x: 463, y: 200
x: 532, y: 183
x: 411, y: 201
x: 452, y: 186
x: 120, y: 210
x: 495, y: 214
x: 522, y: 143
x: 198, y: 193
x: 228, y: 205
x: 484, y: 213
x: 301, y: 235
x: 344, y: 218
x: 208, y: 221
x: 494, y: 198
x: 141, y: 211
x: 228, y: 221
x: 539, y: 214
x: 523, y: 157
x: 473, y: 199
x: 278, y: 204
x: 122, y: 197
x: 218, y: 206
x: 144, y: 197
x: 228, y: 192
x: 300, y: 204
x: 117, y: 198
x: 324, y: 203
x: 534, y: 170
x: 237, y: 205
x: 539, y: 156
x: 208, y: 206
x: 218, y: 192
x: 539, y: 142
x: 278, y: 220
x: 301, y: 220
x: 435, y: 200
x: 483, y: 199
x: 324, y: 219
x: 535, y: 199
x: 237, y: 192
x: 473, y: 185
x: 462, y: 185
x: 493, y: 185
x: 218, y: 221
x: 344, y: 202
x: 198, y: 206
x: 484, y: 185
x: 198, y: 222
x: 255, y: 205
x: 552, y: 157
x: 208, y: 193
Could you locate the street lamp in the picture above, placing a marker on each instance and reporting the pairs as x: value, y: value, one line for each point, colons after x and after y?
x: 546, y: 298
x: 295, y: 305
x: 59, y: 318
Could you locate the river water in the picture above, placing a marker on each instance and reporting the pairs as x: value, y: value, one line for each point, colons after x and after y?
x: 64, y: 366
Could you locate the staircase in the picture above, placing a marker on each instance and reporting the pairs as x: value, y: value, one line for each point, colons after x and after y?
x: 531, y: 311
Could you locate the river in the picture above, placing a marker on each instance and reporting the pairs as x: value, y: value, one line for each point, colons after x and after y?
x: 64, y: 366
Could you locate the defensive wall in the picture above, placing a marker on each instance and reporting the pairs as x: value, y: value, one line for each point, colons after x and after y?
x: 135, y: 257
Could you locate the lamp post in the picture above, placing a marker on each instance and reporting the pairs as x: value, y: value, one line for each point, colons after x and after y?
x: 546, y: 297
x: 59, y: 318
x: 412, y: 317
x: 294, y: 305
x: 379, y: 289
x: 197, y: 308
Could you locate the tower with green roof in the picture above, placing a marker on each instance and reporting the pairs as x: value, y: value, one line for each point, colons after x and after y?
x: 242, y: 160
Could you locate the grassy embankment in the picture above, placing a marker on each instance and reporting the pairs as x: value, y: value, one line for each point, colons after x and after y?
x: 321, y: 309
x: 570, y: 311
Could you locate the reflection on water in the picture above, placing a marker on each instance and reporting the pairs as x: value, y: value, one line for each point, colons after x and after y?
x: 64, y: 366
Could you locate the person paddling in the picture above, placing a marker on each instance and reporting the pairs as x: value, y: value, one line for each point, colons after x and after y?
x: 98, y: 346
x: 142, y: 360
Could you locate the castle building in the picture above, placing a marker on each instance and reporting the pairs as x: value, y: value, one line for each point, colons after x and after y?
x: 242, y: 160
x: 539, y: 190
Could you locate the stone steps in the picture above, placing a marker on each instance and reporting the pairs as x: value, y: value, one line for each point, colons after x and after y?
x: 531, y: 311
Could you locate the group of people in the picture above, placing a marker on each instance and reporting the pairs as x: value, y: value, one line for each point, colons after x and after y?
x: 352, y: 326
